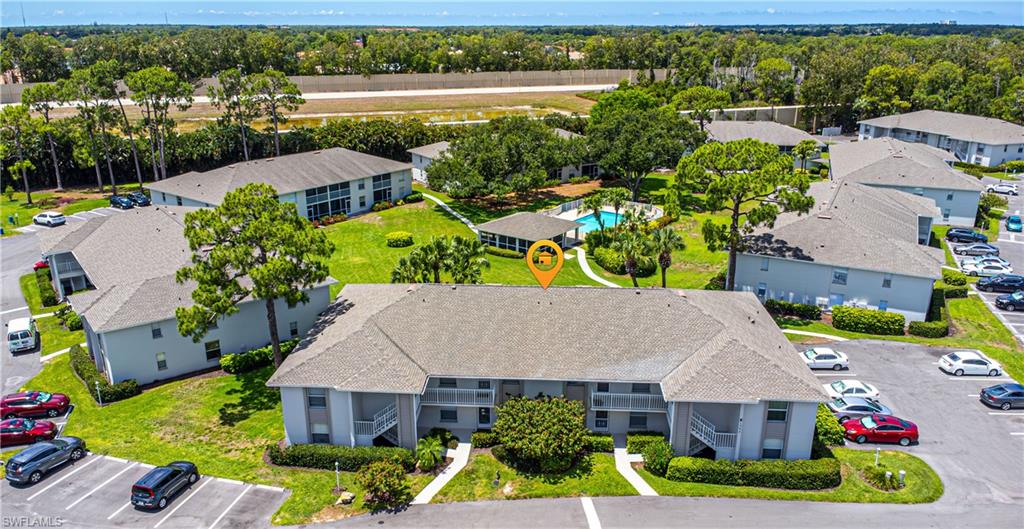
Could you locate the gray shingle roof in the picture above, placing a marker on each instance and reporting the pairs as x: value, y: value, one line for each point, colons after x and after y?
x: 766, y: 131
x: 860, y: 227
x: 699, y: 345
x: 566, y: 134
x: 288, y: 174
x: 891, y: 162
x: 958, y: 126
x: 529, y: 226
x: 432, y: 151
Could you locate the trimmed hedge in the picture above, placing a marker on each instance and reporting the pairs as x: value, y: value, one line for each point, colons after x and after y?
x: 613, y: 262
x: 69, y: 318
x: 950, y: 291
x: 657, y: 456
x: 413, y: 198
x: 84, y: 367
x: 264, y: 356
x: 929, y: 329
x: 827, y: 429
x: 953, y: 277
x: 598, y: 443
x: 636, y: 442
x: 797, y: 310
x: 484, y: 439
x: 504, y: 252
x: 47, y: 295
x: 807, y: 474
x: 349, y: 458
x: 398, y: 239
x: 868, y: 321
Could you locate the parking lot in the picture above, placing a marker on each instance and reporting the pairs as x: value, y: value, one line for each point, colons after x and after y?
x: 977, y: 451
x: 94, y: 493
x: 81, y: 216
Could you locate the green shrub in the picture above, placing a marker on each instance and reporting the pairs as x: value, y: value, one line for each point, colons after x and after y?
x: 69, y: 318
x: 797, y: 310
x: 876, y: 476
x: 501, y: 454
x: 264, y: 356
x: 1013, y: 166
x: 412, y: 198
x: 382, y: 205
x: 868, y: 321
x: 637, y: 441
x: 950, y: 292
x: 954, y: 277
x: 977, y: 168
x: 349, y: 458
x: 9, y: 192
x: 384, y: 483
x: 579, y: 179
x: 83, y: 366
x: 827, y: 429
x: 504, y: 252
x: 823, y: 173
x: 429, y: 453
x: 544, y: 434
x: 610, y: 260
x: 808, y: 474
x: 599, y: 443
x: 929, y: 329
x: 443, y: 436
x: 484, y: 439
x: 657, y: 456
x: 47, y: 295
x: 398, y: 239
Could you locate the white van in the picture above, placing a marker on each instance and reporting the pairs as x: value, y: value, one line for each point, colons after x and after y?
x: 22, y: 334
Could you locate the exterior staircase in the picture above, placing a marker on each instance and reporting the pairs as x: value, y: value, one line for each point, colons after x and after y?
x: 706, y: 433
x: 384, y: 423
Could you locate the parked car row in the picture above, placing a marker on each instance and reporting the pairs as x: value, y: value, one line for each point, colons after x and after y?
x: 130, y: 200
x: 1008, y: 283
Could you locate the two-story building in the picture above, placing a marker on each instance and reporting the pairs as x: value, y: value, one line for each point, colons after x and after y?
x: 320, y: 183
x: 974, y: 139
x: 913, y: 168
x: 782, y: 136
x: 118, y: 273
x: 709, y: 369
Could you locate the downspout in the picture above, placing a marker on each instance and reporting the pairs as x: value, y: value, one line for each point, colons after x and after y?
x: 351, y: 422
x: 739, y: 434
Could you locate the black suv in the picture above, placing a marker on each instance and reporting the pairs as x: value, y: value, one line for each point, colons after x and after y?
x: 1001, y: 283
x: 156, y: 488
x: 121, y: 202
x: 965, y: 235
x: 138, y: 198
x: 1011, y: 302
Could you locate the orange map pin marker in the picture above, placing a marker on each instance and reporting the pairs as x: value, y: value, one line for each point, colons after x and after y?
x: 543, y: 263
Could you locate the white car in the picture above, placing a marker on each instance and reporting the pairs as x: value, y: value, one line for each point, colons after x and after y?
x: 986, y: 270
x: 825, y: 358
x: 1002, y: 189
x: 49, y: 218
x: 984, y: 259
x: 851, y: 388
x: 961, y: 363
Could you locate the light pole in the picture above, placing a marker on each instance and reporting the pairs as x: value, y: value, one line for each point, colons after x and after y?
x: 99, y: 396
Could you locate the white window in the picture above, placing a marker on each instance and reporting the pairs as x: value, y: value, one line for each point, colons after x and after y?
x: 447, y: 383
x: 839, y: 276
x: 601, y: 420
x: 949, y: 196
x: 319, y: 432
x: 762, y: 290
x: 771, y: 449
x: 449, y: 415
x: 161, y: 361
x: 764, y: 264
x: 212, y: 350
x: 886, y: 280
x: 637, y: 421
x: 945, y: 213
x: 602, y: 387
x: 483, y: 384
x: 777, y: 411
x: 641, y: 388
x: 316, y: 398
x: 156, y: 331
x: 293, y: 329
x: 178, y: 200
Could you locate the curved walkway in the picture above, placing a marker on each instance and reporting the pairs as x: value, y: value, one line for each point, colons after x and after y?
x: 448, y: 208
x: 590, y: 273
x: 832, y: 337
x: 461, y: 457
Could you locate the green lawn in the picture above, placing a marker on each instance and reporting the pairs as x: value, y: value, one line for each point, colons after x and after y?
x: 85, y: 205
x: 30, y: 290
x: 362, y: 256
x: 55, y: 337
x: 923, y: 485
x: 222, y: 423
x: 595, y: 476
x: 49, y: 200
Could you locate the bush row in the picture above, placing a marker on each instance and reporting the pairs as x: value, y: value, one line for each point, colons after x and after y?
x: 954, y: 277
x: 349, y: 458
x: 84, y: 367
x: 797, y: 310
x: 254, y: 359
x: 69, y: 318
x: 657, y: 456
x: 1012, y: 165
x: 398, y: 239
x: 931, y: 329
x: 808, y: 474
x: 47, y: 295
x: 868, y: 321
x: 950, y: 291
x: 504, y: 252
x: 827, y: 429
x: 484, y: 439
x: 637, y: 441
x: 413, y: 198
x: 613, y: 262
x: 598, y: 443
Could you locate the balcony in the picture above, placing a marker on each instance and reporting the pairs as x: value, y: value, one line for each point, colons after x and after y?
x: 626, y: 402
x: 458, y: 397
x: 68, y: 267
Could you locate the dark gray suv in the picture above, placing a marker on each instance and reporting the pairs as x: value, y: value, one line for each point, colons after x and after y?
x: 29, y: 465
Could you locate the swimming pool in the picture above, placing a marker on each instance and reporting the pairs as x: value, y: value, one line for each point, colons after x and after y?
x: 590, y: 221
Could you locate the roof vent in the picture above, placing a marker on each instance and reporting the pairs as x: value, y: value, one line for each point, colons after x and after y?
x: 231, y: 166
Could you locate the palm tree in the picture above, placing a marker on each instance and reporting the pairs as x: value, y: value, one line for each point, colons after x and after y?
x: 431, y: 257
x: 428, y: 453
x: 405, y: 271
x: 633, y: 246
x: 594, y: 203
x: 664, y: 242
x: 616, y: 198
x: 467, y: 258
x: 804, y: 150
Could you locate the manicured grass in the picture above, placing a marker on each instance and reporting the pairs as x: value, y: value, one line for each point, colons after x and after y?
x: 18, y: 206
x: 923, y: 484
x: 86, y: 205
x: 362, y: 256
x: 48, y: 200
x: 55, y: 337
x: 595, y: 476
x: 30, y: 291
x: 974, y: 327
x: 221, y: 423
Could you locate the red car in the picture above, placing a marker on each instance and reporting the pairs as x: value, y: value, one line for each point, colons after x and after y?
x: 20, y: 431
x: 33, y: 403
x: 881, y: 429
x: 40, y: 265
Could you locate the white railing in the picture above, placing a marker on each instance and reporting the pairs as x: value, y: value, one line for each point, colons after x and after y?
x: 651, y: 210
x: 382, y: 421
x: 626, y: 401
x: 68, y: 267
x: 458, y: 397
x: 705, y: 430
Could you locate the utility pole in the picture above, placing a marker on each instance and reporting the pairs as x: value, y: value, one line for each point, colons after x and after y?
x: 23, y: 23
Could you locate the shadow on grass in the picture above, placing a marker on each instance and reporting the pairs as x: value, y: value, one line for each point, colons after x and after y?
x: 580, y: 469
x: 790, y: 322
x: 253, y: 396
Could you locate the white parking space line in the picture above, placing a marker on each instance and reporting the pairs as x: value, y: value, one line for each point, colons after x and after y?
x: 593, y: 522
x: 118, y: 459
x: 75, y: 215
x: 839, y: 374
x: 1009, y: 240
x: 183, y: 502
x: 969, y: 395
x: 145, y: 465
x: 123, y: 507
x: 982, y: 380
x: 1016, y: 433
x: 94, y: 212
x: 226, y: 480
x: 66, y: 476
x: 100, y: 486
x: 223, y: 514
x: 1011, y: 413
x: 14, y: 310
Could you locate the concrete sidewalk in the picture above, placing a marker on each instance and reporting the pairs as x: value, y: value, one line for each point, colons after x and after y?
x: 461, y: 457
x: 623, y: 463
